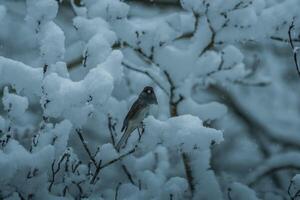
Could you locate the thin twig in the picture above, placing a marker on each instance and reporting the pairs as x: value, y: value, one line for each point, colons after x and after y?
x: 295, y: 49
x: 55, y: 171
x: 92, y: 158
x: 100, y: 166
x: 117, y: 191
x: 173, y: 104
x: 129, y: 176
x: 130, y: 66
x: 111, y: 128
x: 117, y: 159
x: 280, y: 39
x: 188, y: 172
x: 93, y: 181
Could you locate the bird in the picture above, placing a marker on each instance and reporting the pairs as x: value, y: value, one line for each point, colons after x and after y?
x: 137, y: 113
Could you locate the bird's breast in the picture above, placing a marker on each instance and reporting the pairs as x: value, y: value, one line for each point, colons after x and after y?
x: 144, y: 112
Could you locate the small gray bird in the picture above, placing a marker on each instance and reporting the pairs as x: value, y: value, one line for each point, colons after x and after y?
x: 138, y: 111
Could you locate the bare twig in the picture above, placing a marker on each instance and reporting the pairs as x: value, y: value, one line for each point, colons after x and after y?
x: 252, y: 84
x: 173, y: 104
x: 112, y: 129
x: 131, y: 66
x: 188, y: 172
x: 92, y: 158
x: 129, y: 176
x: 280, y: 39
x: 79, y: 187
x: 55, y: 171
x: 117, y: 191
x: 118, y: 158
x: 66, y: 188
x: 295, y: 49
x: 93, y: 181
x: 100, y: 166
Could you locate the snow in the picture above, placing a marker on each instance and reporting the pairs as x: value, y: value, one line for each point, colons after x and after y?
x: 209, y: 111
x: 57, y: 135
x: 239, y: 191
x: 27, y: 80
x: 97, y: 49
x: 2, y: 12
x: 52, y: 43
x: 41, y: 12
x: 15, y: 105
x: 277, y: 161
x: 227, y: 120
x: 107, y: 9
x: 88, y: 27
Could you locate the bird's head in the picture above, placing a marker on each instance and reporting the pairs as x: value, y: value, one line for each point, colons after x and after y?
x: 148, y: 95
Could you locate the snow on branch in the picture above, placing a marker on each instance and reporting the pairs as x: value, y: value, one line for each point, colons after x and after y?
x: 274, y: 164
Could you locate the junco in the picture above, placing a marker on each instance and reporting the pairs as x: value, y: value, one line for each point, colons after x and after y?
x: 138, y: 111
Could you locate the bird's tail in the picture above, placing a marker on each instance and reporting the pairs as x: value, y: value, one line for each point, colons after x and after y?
x: 122, y: 140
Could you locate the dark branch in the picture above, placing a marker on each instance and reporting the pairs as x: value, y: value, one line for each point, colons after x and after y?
x: 93, y: 181
x: 295, y: 49
x: 100, y: 166
x: 117, y: 159
x: 117, y: 191
x: 273, y: 170
x: 112, y: 129
x: 92, y: 158
x: 280, y: 39
x: 55, y: 171
x: 129, y: 66
x: 129, y: 176
x: 188, y: 172
x: 173, y: 104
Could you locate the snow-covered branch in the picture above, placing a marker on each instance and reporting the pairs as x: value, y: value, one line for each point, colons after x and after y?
x: 283, y: 161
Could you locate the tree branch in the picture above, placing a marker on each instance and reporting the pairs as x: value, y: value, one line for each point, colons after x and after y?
x: 275, y: 163
x: 112, y: 129
x: 295, y: 49
x: 117, y: 191
x: 131, y: 66
x: 84, y: 143
x: 100, y: 166
x: 55, y: 171
x: 117, y: 159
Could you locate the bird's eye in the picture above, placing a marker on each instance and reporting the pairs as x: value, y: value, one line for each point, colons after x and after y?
x: 149, y: 91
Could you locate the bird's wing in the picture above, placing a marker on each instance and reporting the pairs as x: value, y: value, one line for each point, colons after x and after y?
x: 135, y: 109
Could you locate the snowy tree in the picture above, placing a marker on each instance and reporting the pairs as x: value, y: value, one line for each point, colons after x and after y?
x: 70, y: 70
